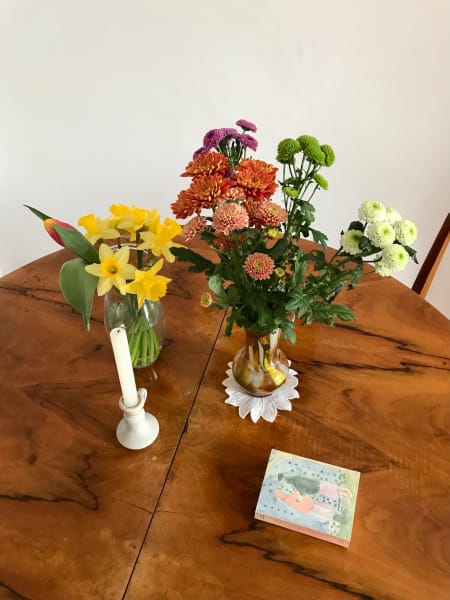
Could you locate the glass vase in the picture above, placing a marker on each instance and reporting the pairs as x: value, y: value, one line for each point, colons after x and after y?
x: 145, y: 326
x: 260, y: 367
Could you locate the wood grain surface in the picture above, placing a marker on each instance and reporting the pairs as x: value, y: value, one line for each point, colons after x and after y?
x: 84, y: 518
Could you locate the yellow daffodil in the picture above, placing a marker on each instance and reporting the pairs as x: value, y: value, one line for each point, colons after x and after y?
x: 97, y: 228
x: 147, y: 284
x: 113, y: 269
x: 161, y: 241
x: 118, y: 212
x: 134, y: 219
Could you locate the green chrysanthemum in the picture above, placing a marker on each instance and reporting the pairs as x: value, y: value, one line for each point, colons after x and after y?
x: 311, y: 148
x: 287, y: 149
x: 406, y: 232
x: 372, y: 211
x: 381, y: 234
x: 291, y: 192
x: 394, y: 257
x: 321, y: 181
x: 350, y: 241
x: 329, y: 154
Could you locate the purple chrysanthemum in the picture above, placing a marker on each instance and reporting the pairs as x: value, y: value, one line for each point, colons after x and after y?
x: 201, y: 150
x: 248, y: 140
x: 246, y: 125
x: 214, y: 136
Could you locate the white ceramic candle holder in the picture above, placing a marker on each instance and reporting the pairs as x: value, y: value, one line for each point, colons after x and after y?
x: 138, y: 429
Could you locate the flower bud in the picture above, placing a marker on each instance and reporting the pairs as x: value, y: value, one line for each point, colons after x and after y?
x: 273, y: 233
x: 205, y: 300
x: 48, y: 224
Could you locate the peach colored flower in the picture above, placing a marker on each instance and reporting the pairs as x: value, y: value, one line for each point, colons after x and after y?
x: 235, y: 193
x: 229, y: 217
x: 270, y: 214
x: 256, y: 178
x: 259, y: 265
x: 206, y: 164
x: 193, y: 227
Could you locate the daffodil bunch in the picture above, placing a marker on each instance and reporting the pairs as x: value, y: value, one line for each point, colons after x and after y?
x: 99, y: 266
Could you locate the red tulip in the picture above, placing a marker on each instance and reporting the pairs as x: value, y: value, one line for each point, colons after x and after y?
x: 48, y: 224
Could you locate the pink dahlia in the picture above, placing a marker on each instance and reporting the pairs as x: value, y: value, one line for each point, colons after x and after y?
x: 229, y: 217
x: 259, y: 265
x: 193, y: 227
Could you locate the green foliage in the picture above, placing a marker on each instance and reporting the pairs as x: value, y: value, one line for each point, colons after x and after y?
x: 75, y: 241
x: 78, y: 287
x: 37, y: 212
x: 199, y: 263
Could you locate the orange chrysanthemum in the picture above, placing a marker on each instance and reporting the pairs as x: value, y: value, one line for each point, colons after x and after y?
x: 211, y: 163
x: 206, y: 190
x: 257, y: 179
x: 183, y: 206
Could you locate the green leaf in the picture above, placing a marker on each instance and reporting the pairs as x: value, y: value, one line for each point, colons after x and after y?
x: 343, y: 312
x: 298, y: 303
x: 299, y: 269
x: 215, y: 284
x: 357, y: 272
x: 319, y: 237
x: 78, y: 287
x: 366, y: 246
x: 37, y: 212
x: 278, y: 249
x: 74, y: 240
x: 199, y: 263
x: 356, y: 225
x: 412, y: 253
x: 323, y: 312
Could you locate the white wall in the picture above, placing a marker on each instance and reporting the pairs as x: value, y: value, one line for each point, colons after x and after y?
x: 104, y: 101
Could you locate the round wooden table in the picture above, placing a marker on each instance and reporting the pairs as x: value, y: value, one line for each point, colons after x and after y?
x: 84, y: 518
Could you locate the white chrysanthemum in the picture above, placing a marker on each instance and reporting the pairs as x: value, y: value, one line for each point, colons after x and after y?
x: 350, y: 241
x: 381, y: 268
x: 406, y: 232
x: 381, y: 234
x: 392, y: 215
x: 394, y: 257
x: 372, y: 211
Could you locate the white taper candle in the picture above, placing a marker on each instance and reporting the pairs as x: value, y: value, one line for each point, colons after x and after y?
x: 124, y: 366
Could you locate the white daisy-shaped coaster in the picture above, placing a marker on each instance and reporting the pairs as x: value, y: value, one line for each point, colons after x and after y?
x: 265, y: 407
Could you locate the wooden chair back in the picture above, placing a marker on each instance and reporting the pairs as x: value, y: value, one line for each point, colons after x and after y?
x: 431, y: 263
